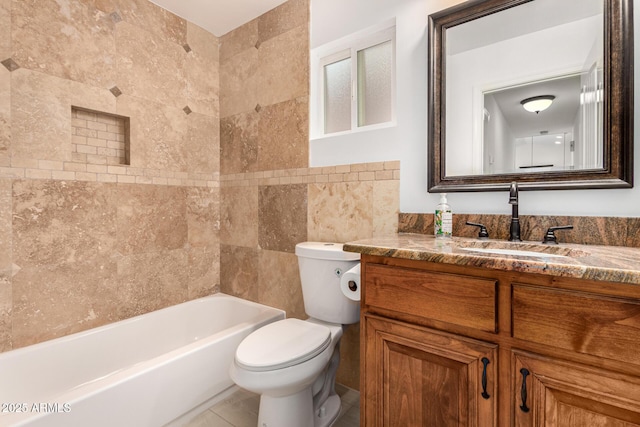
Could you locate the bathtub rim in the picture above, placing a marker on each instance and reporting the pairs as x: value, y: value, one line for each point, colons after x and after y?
x: 136, y: 318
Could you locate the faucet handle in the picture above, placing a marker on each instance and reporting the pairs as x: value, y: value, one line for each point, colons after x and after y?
x: 550, y: 237
x: 482, y: 234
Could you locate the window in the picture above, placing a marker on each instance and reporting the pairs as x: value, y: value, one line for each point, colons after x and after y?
x: 355, y: 83
x: 336, y: 95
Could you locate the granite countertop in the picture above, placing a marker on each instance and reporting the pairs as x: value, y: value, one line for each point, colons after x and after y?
x: 603, y: 263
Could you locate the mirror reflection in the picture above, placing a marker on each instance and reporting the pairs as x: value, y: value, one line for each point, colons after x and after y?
x: 553, y: 125
x: 524, y: 90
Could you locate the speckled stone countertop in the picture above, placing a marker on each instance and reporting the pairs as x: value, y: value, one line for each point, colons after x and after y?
x: 603, y: 263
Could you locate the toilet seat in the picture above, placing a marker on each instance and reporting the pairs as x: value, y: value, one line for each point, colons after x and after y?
x: 282, y: 344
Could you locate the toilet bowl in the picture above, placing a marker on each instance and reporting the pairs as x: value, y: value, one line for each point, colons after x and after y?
x: 297, y: 353
x: 292, y: 363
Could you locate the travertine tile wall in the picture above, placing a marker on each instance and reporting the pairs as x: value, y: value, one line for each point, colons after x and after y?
x: 84, y: 242
x: 270, y: 198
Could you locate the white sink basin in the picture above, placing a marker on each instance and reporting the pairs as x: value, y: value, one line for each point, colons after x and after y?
x: 513, y: 252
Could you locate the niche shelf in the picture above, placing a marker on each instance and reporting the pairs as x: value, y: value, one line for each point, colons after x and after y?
x: 99, y: 138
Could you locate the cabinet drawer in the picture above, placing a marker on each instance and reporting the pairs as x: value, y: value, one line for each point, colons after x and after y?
x: 456, y: 299
x: 579, y: 321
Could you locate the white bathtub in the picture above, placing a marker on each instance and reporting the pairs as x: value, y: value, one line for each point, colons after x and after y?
x: 144, y: 371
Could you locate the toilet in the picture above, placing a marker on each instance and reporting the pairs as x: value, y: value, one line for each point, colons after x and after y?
x: 292, y: 363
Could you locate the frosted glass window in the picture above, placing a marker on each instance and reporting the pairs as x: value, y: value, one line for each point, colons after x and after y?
x: 337, y: 96
x: 375, y: 66
x: 353, y: 83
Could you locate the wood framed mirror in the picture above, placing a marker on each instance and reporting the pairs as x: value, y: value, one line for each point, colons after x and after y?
x: 489, y: 58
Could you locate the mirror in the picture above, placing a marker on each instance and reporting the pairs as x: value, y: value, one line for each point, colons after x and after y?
x: 534, y: 91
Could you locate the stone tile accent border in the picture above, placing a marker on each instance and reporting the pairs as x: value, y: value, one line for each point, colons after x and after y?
x: 379, y: 171
x: 72, y: 171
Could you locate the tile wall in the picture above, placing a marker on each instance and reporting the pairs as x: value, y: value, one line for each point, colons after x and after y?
x: 86, y: 240
x: 217, y: 190
x: 270, y: 198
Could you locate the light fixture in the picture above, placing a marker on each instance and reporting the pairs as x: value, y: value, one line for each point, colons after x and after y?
x: 537, y: 103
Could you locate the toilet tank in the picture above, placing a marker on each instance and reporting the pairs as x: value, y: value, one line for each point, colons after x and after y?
x: 321, y: 266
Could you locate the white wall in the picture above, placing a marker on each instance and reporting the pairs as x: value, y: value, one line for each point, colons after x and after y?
x: 331, y: 19
x: 498, y: 140
x: 334, y: 19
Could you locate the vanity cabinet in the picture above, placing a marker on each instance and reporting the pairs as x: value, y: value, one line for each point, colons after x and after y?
x: 422, y: 377
x: 555, y: 393
x: 445, y: 345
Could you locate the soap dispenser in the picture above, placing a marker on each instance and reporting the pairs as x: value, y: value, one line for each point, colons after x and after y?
x: 443, y: 220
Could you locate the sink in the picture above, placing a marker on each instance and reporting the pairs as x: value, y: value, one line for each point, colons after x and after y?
x: 513, y: 252
x: 522, y: 249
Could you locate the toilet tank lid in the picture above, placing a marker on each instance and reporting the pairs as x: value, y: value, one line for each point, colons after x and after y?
x: 325, y: 250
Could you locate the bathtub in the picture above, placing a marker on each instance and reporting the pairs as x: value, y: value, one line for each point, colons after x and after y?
x: 145, y: 371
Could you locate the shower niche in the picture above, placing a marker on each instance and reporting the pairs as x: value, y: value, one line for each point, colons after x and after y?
x: 99, y: 138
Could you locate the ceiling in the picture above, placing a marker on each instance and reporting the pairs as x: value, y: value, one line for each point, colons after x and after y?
x: 558, y: 118
x: 218, y: 16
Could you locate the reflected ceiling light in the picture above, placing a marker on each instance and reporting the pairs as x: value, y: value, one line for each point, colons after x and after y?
x: 537, y: 103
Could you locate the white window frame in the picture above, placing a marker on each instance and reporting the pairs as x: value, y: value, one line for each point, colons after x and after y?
x: 348, y: 47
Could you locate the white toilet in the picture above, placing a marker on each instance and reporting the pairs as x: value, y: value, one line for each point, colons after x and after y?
x: 292, y: 363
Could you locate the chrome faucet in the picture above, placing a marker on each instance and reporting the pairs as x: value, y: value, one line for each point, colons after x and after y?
x: 514, y: 228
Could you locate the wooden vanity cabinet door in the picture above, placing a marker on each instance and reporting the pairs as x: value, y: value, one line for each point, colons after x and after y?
x: 563, y: 394
x: 415, y: 377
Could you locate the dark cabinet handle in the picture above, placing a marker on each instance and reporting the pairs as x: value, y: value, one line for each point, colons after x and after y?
x: 523, y: 390
x: 485, y: 362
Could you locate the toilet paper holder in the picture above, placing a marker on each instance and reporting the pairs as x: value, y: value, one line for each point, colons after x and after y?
x: 350, y: 283
x: 353, y: 286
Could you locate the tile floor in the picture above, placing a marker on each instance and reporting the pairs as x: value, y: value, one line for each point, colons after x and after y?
x: 241, y: 410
